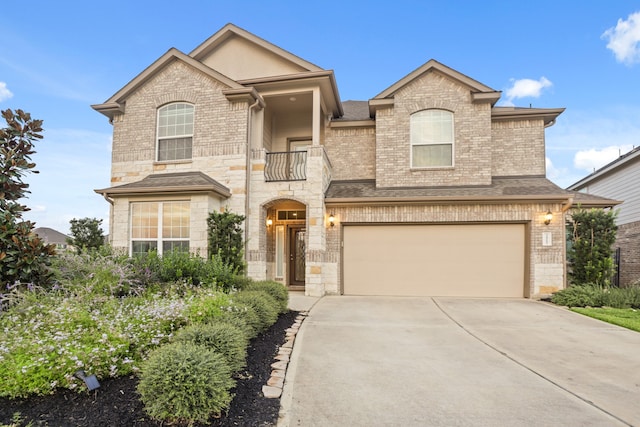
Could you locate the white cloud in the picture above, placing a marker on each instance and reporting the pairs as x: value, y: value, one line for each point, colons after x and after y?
x: 554, y: 173
x: 524, y: 88
x: 624, y: 39
x: 592, y: 159
x: 4, y: 92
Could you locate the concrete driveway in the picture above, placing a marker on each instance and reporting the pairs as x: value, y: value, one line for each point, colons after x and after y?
x: 384, y: 361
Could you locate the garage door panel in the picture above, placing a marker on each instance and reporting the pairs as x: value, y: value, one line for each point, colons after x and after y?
x: 434, y: 260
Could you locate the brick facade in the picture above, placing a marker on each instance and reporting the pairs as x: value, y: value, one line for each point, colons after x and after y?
x: 236, y: 126
x: 628, y: 240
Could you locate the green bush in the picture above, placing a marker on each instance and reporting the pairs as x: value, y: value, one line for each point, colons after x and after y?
x: 223, y: 338
x: 207, y: 308
x: 264, y: 305
x: 277, y: 290
x: 185, y: 382
x: 593, y: 295
x: 244, y: 318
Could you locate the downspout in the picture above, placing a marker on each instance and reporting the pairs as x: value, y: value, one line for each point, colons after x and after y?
x: 260, y: 104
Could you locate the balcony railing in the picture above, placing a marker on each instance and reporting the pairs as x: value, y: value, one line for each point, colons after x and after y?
x: 286, y: 166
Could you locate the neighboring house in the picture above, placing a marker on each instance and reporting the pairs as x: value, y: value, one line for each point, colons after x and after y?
x: 428, y: 188
x: 620, y: 180
x: 53, y: 237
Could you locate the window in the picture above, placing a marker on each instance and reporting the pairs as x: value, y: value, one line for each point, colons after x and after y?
x: 159, y: 226
x: 175, y: 132
x: 431, y: 139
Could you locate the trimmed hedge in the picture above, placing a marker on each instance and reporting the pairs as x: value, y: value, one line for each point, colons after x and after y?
x: 223, y: 338
x: 263, y: 304
x: 275, y: 289
x: 185, y: 382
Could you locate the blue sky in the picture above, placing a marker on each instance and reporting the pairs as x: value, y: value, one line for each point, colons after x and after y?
x: 58, y: 58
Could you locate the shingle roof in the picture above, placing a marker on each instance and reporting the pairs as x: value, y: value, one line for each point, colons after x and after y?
x: 186, y: 182
x: 51, y: 236
x: 501, y: 189
x: 355, y: 110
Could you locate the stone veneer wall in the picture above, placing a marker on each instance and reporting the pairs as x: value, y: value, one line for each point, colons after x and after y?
x: 546, y: 263
x: 219, y: 143
x: 628, y: 240
x: 472, y: 129
x: 518, y: 148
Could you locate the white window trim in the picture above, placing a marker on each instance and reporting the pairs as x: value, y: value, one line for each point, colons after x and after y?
x: 453, y: 144
x: 159, y: 239
x: 159, y: 138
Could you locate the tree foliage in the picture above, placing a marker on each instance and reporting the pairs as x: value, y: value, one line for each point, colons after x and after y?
x: 591, y: 233
x: 24, y: 257
x: 225, y: 238
x: 86, y: 234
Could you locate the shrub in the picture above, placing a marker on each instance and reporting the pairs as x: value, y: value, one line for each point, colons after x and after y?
x: 185, y: 382
x: 244, y: 318
x: 223, y: 338
x: 277, y: 290
x: 593, y: 295
x: 265, y: 306
x: 208, y: 307
x: 225, y: 238
x: 591, y: 233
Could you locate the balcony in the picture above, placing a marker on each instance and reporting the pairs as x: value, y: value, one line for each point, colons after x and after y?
x: 286, y: 166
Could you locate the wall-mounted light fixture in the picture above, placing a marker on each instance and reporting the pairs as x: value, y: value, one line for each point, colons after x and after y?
x: 269, y: 222
x: 548, y: 217
x: 332, y: 219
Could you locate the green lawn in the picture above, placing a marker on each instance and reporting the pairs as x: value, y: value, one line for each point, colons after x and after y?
x: 625, y: 317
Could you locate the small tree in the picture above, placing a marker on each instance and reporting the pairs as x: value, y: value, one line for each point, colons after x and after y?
x: 86, y: 234
x: 225, y: 238
x: 24, y: 257
x: 591, y: 235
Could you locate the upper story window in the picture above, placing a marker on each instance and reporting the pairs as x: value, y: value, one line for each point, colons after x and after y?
x: 432, y: 139
x: 175, y: 131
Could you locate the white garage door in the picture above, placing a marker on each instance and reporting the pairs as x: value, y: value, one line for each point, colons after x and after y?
x: 476, y: 260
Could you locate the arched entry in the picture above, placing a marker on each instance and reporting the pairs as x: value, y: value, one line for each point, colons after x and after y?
x: 286, y: 235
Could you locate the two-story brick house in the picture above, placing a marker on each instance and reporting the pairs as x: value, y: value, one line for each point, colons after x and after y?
x: 428, y: 188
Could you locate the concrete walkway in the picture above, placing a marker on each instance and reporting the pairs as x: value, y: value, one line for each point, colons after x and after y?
x: 379, y: 361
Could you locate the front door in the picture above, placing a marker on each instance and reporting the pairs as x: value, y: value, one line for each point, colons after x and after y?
x: 297, y: 255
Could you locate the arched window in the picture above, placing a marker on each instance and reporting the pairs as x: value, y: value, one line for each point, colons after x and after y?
x: 432, y: 139
x: 175, y: 131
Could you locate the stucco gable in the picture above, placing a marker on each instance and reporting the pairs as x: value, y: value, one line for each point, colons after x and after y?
x: 116, y: 103
x: 241, y: 55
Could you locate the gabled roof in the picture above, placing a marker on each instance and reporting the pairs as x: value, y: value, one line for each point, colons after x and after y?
x: 231, y: 30
x: 51, y: 236
x: 185, y: 182
x: 474, y: 86
x: 624, y: 160
x: 117, y: 101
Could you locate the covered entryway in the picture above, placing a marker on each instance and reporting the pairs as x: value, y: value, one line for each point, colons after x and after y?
x: 473, y: 260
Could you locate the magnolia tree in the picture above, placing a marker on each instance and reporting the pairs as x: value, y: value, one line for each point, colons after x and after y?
x: 24, y: 257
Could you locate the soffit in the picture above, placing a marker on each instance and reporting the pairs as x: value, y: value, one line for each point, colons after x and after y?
x: 187, y: 182
x: 548, y: 115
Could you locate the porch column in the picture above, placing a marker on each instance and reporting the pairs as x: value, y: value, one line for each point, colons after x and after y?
x: 316, y: 115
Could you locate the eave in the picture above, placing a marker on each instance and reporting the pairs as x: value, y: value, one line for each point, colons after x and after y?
x: 548, y: 115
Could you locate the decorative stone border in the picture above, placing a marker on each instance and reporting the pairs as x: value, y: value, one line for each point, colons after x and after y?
x: 273, y: 389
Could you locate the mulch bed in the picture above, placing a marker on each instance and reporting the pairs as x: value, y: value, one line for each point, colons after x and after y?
x: 116, y: 402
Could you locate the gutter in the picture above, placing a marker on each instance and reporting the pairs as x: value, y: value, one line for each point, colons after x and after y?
x: 259, y: 103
